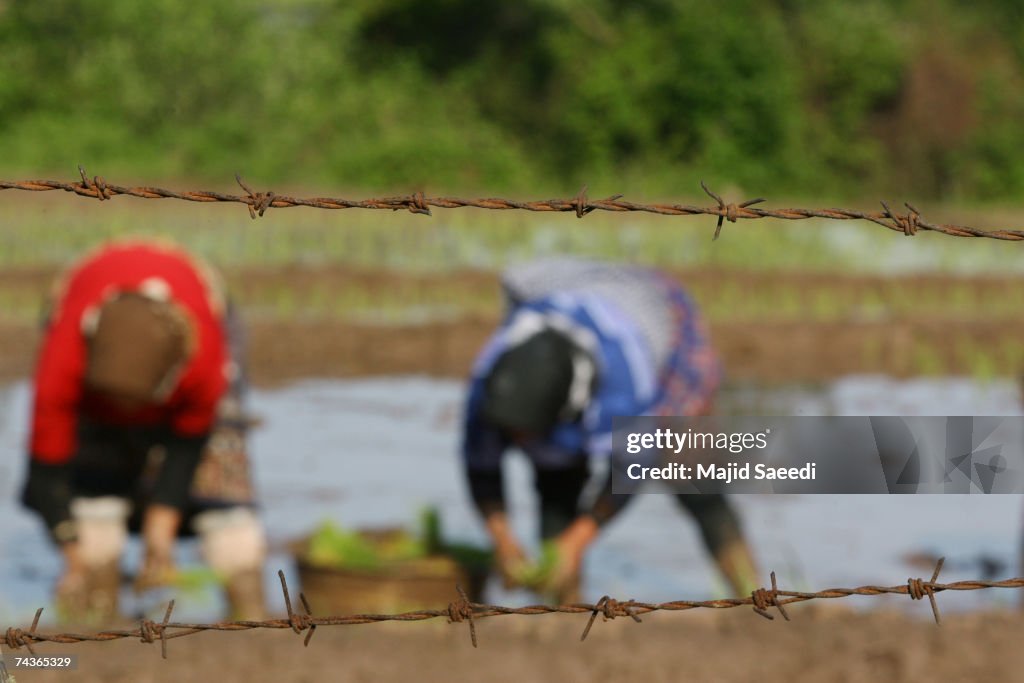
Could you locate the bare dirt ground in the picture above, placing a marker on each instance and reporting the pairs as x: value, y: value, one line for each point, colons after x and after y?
x: 818, y: 646
x: 762, y: 344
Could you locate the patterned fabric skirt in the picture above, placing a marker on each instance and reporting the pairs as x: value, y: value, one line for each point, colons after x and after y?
x: 223, y: 476
x: 693, y: 372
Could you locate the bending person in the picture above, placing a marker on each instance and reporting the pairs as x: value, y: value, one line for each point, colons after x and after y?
x: 584, y: 342
x: 137, y: 425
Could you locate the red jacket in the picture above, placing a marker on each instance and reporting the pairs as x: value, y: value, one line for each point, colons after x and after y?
x: 60, y: 395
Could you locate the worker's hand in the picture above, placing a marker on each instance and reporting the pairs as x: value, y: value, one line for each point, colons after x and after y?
x: 512, y: 561
x: 562, y: 577
x: 513, y: 564
x: 157, y: 571
x: 159, y: 530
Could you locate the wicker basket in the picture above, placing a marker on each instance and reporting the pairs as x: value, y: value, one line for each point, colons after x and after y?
x: 421, y: 583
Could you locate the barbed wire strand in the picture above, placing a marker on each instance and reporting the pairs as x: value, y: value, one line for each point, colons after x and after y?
x: 463, y: 610
x: 259, y: 202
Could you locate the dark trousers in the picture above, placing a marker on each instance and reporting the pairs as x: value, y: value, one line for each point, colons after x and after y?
x: 560, y: 489
x: 123, y: 462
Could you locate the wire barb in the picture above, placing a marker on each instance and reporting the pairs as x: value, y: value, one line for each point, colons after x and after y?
x: 728, y: 212
x: 907, y: 224
x: 298, y: 622
x: 582, y: 206
x: 763, y: 598
x: 609, y: 608
x: 918, y: 588
x: 416, y: 203
x: 15, y: 638
x: 97, y: 187
x: 258, y: 202
x: 462, y: 610
x: 149, y: 631
x: 309, y: 613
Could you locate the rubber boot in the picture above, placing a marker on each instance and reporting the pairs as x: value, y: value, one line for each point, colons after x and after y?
x: 570, y: 592
x: 244, y: 593
x: 104, y: 590
x: 561, y: 593
x: 94, y: 601
x: 736, y: 563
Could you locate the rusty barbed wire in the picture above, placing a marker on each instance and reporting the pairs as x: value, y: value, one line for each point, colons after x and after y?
x: 463, y: 610
x: 259, y: 202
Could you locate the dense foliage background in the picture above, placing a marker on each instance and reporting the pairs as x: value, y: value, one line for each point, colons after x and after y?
x: 916, y: 97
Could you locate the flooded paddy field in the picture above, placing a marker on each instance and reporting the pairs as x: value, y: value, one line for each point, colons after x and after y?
x: 373, y: 452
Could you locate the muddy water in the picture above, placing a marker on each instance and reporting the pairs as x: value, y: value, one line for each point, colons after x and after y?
x: 373, y: 452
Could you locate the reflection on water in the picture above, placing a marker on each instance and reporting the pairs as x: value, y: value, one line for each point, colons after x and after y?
x: 372, y: 452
